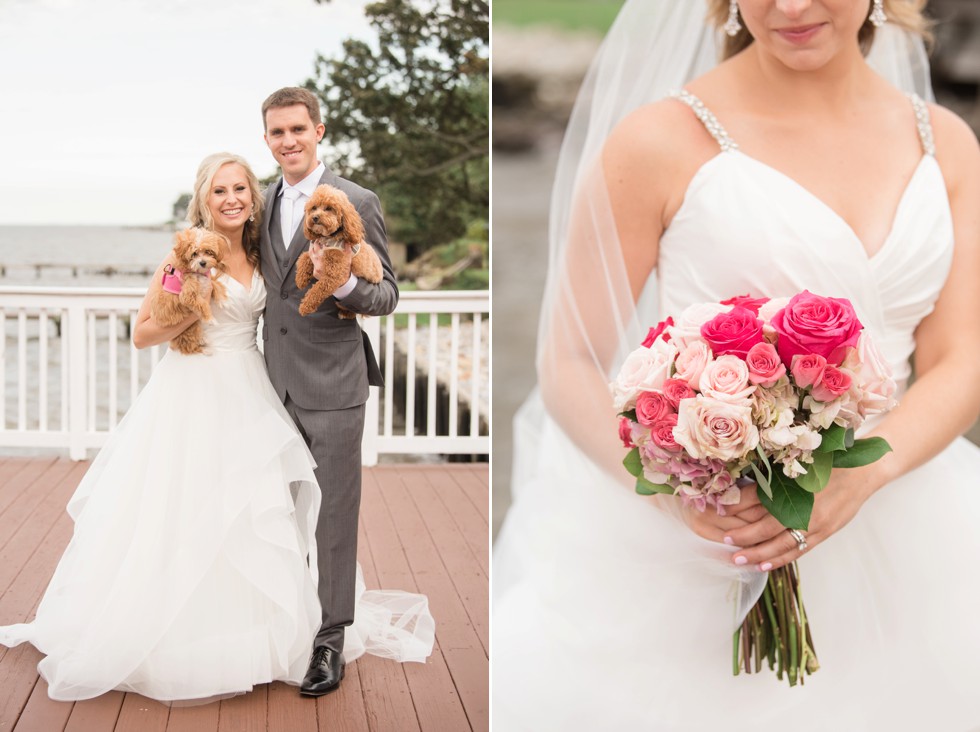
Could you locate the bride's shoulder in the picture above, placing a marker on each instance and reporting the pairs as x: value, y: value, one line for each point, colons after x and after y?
x: 957, y: 148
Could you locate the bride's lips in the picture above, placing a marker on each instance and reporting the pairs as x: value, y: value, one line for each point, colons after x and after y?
x: 800, y: 34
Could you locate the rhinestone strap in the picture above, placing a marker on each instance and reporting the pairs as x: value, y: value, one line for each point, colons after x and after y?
x: 710, y: 122
x: 923, y: 124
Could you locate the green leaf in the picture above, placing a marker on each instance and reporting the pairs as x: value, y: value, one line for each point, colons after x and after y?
x: 816, y: 476
x: 849, y: 438
x: 833, y: 439
x: 645, y: 488
x: 790, y: 504
x: 761, y: 480
x: 862, y: 452
x: 630, y: 415
x: 633, y: 463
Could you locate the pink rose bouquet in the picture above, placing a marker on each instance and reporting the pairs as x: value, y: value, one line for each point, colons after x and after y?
x: 763, y: 390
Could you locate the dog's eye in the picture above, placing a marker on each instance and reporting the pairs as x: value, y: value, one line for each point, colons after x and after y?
x: 209, y: 253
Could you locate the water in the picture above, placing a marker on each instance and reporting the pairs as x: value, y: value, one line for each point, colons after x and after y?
x: 81, y: 256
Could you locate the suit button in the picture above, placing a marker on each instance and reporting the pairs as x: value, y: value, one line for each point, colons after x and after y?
x: 283, y: 295
x: 283, y: 331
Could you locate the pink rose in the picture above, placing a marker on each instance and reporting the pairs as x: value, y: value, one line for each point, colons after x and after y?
x: 809, y: 323
x: 710, y: 428
x: 651, y: 407
x: 764, y: 364
x: 833, y: 384
x: 746, y: 301
x: 690, y: 363
x: 726, y: 378
x: 808, y: 369
x: 654, y: 332
x: 677, y: 389
x: 662, y: 433
x: 626, y: 432
x: 733, y: 332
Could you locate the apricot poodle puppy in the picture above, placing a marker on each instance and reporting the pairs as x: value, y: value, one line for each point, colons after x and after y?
x: 196, y: 253
x: 332, y: 223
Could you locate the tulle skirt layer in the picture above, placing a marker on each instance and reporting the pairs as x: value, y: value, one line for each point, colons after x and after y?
x: 191, y: 573
x: 609, y: 613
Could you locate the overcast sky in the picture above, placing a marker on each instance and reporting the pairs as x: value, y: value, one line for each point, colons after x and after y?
x: 108, y: 106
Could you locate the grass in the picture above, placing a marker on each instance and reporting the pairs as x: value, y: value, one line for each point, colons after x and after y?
x: 593, y: 15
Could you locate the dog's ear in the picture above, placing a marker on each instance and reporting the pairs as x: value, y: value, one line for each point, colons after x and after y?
x: 184, y: 244
x: 351, y: 220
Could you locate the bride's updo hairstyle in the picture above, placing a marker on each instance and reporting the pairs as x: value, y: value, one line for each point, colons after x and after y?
x: 906, y: 14
x: 198, y: 213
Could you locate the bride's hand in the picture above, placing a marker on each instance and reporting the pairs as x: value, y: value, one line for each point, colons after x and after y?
x: 768, y: 544
x: 709, y: 525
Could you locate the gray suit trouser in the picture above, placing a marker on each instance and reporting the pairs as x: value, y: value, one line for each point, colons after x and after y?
x: 334, y: 437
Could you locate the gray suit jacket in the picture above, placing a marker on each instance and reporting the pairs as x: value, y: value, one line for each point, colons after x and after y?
x: 321, y: 361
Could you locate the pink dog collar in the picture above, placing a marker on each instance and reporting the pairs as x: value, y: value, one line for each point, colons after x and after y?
x: 173, y: 279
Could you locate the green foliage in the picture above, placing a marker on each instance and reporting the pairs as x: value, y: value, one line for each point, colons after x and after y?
x: 790, y: 504
x: 408, y: 115
x: 862, y: 452
x: 594, y: 15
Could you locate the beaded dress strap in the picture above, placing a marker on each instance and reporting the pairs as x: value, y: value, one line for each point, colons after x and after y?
x: 923, y: 124
x: 710, y: 122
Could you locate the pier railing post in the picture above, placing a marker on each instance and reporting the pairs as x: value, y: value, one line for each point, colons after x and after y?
x: 77, y: 379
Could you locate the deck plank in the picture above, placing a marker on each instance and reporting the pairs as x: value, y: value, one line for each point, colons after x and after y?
x: 41, y: 713
x: 100, y: 713
x: 421, y: 531
x: 436, y: 699
x: 473, y: 483
x: 459, y: 641
x: 139, y: 714
x: 471, y: 524
x: 472, y: 585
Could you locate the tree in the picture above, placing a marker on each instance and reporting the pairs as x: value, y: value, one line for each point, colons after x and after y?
x: 408, y: 115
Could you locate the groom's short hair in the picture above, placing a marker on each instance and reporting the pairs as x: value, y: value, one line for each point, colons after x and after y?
x: 290, y: 95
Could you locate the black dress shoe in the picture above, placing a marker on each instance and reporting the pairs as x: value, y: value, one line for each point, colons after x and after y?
x: 325, y: 672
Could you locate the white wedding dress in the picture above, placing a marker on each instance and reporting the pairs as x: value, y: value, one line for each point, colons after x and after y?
x: 611, y: 614
x: 187, y: 575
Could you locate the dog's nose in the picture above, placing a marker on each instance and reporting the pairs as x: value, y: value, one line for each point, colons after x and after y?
x: 316, y: 219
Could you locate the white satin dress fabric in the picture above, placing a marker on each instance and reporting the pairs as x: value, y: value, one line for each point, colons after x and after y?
x: 187, y: 575
x: 611, y: 614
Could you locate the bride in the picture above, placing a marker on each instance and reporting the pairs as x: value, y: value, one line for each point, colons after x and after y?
x: 806, y: 159
x: 192, y: 573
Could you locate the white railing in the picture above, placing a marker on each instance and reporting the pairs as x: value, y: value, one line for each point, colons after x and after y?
x: 70, y: 370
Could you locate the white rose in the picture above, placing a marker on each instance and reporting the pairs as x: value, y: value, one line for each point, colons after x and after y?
x: 687, y: 329
x: 644, y: 370
x: 872, y: 386
x: 771, y: 308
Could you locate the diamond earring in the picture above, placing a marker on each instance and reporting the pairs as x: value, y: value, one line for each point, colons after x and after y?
x: 877, y: 16
x: 732, y: 26
x: 251, y: 216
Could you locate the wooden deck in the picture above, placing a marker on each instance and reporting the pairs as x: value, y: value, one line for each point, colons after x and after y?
x: 423, y: 528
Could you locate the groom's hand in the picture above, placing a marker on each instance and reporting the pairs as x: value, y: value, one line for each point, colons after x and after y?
x: 317, y: 251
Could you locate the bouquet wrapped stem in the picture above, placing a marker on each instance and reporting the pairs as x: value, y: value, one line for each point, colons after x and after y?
x: 776, y: 630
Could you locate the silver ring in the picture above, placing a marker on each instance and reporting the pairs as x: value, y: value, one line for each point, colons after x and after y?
x: 799, y: 538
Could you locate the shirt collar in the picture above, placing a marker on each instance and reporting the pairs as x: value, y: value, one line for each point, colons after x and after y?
x: 308, y: 184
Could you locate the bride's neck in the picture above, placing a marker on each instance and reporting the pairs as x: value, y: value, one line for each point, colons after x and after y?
x: 829, y: 89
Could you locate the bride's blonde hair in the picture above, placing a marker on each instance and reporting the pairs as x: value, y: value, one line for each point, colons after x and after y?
x: 905, y: 14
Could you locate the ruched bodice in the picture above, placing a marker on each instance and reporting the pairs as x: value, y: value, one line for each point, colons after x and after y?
x: 746, y: 228
x: 236, y: 317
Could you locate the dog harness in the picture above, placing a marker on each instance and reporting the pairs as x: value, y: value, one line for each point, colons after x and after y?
x: 173, y: 279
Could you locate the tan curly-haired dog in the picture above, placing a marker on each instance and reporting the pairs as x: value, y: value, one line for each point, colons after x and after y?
x: 196, y: 252
x: 331, y: 223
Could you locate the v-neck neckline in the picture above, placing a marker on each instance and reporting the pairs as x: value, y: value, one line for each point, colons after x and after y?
x: 870, y: 256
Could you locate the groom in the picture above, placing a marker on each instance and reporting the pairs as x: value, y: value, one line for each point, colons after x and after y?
x: 321, y: 366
